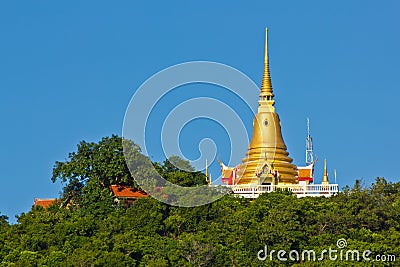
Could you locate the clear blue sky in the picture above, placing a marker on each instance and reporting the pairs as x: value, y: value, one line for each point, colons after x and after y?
x: 68, y: 70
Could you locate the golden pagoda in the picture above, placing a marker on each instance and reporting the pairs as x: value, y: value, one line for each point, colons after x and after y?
x: 267, y: 160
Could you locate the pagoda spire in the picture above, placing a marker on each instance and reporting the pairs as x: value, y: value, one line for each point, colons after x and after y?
x: 325, y: 179
x: 266, y: 85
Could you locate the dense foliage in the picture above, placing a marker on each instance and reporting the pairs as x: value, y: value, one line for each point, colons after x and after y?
x: 93, y: 231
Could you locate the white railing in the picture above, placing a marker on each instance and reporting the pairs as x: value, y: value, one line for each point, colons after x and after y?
x: 313, y: 190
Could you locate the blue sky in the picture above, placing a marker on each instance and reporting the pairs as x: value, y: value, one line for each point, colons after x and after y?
x: 68, y: 70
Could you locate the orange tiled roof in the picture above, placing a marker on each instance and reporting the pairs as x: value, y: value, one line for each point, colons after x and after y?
x: 306, y: 173
x: 127, y: 192
x: 45, y: 203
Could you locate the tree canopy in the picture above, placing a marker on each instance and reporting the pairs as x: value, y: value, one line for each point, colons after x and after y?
x: 227, y: 232
x: 103, y: 164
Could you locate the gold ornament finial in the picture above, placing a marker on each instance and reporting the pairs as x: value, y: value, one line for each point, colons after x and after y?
x: 325, y: 179
x: 207, y: 171
x: 266, y: 85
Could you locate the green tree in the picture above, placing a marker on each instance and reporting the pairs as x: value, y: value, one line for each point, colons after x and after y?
x: 179, y: 171
x: 227, y: 232
x: 103, y: 161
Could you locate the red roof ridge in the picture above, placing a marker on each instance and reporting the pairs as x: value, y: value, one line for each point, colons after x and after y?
x: 124, y: 191
x: 44, y: 202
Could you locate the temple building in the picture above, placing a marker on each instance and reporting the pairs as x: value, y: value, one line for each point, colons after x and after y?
x: 267, y: 165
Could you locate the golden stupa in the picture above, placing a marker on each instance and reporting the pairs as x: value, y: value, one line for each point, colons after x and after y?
x: 267, y: 160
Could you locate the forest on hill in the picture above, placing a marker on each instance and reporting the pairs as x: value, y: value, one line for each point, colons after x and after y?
x: 88, y: 228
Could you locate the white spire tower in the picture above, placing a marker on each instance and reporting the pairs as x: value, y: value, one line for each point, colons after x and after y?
x: 309, y: 146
